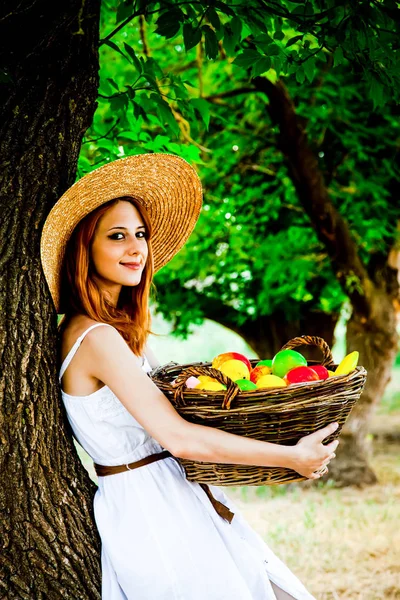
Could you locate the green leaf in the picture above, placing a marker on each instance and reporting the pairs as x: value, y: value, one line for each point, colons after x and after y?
x: 165, y: 114
x: 112, y: 82
x: 114, y: 47
x: 203, y: 107
x: 376, y: 92
x: 294, y: 40
x: 211, y: 42
x: 226, y: 10
x: 128, y: 135
x: 232, y: 34
x: 263, y: 41
x: 191, y: 36
x: 300, y: 75
x: 151, y: 80
x: 168, y: 24
x: 152, y: 67
x: 123, y: 11
x: 236, y: 26
x: 256, y: 24
x: 130, y: 51
x: 309, y: 69
x: 137, y: 110
x: 273, y: 50
x: 213, y: 17
x: 338, y: 57
x: 279, y: 35
x: 247, y: 58
x: 262, y: 65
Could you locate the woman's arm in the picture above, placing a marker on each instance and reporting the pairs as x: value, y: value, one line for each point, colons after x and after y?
x: 110, y: 360
x: 151, y: 357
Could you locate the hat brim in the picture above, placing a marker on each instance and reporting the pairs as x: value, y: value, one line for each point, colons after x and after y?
x: 167, y: 184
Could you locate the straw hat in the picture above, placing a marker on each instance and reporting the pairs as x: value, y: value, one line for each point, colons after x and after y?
x: 168, y: 185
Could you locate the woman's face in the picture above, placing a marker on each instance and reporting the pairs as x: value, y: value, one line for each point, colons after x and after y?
x: 119, y: 239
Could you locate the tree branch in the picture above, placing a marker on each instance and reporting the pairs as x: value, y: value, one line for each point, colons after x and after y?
x: 329, y: 225
x: 230, y: 93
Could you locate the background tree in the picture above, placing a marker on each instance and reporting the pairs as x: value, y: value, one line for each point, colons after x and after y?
x: 200, y: 107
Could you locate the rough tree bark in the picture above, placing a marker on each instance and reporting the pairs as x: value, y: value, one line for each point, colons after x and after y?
x: 373, y: 293
x: 49, y: 547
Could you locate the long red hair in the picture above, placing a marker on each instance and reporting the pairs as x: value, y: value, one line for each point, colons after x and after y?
x: 80, y: 293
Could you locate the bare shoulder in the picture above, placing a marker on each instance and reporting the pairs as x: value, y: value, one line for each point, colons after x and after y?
x: 77, y: 325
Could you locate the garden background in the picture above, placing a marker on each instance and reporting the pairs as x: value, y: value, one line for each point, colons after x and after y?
x: 289, y: 112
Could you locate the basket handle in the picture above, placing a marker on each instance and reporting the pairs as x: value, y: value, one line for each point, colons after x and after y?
x: 232, y: 389
x: 311, y: 340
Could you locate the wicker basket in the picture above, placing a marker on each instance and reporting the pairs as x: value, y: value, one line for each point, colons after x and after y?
x: 279, y: 415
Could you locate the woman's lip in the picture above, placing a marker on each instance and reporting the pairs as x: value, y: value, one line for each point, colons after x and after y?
x: 133, y: 266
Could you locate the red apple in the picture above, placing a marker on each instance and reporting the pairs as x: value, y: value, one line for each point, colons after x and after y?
x: 301, y: 374
x: 221, y: 358
x: 321, y: 371
x: 258, y: 372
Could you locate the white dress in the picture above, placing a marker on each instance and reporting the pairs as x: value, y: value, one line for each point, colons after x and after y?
x: 161, y: 537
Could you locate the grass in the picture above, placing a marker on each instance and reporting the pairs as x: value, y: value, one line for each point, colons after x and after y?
x: 342, y: 543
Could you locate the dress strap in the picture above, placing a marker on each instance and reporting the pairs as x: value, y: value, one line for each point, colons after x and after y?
x: 75, y: 347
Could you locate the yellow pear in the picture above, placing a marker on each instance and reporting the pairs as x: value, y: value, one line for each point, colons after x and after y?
x: 204, y: 378
x: 235, y: 369
x: 270, y: 381
x: 210, y: 386
x: 348, y: 364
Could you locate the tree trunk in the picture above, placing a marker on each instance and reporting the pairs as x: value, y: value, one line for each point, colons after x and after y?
x: 376, y: 341
x: 267, y: 335
x: 49, y: 543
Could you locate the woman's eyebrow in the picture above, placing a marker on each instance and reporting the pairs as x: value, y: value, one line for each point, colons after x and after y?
x: 121, y: 227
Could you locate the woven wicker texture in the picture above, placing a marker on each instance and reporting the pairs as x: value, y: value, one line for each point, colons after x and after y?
x: 168, y: 186
x: 280, y: 415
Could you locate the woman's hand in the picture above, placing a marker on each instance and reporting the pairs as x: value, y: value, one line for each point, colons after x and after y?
x: 310, y: 455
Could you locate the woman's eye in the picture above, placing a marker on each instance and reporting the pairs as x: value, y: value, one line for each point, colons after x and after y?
x: 140, y: 235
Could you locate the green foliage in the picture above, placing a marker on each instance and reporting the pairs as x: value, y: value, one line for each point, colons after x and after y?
x: 177, y: 78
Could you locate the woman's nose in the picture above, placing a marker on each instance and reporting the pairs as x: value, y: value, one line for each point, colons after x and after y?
x: 134, y: 247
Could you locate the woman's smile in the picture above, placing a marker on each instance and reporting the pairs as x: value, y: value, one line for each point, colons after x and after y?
x: 132, y: 265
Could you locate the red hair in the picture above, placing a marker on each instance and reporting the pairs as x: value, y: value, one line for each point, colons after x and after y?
x: 80, y: 293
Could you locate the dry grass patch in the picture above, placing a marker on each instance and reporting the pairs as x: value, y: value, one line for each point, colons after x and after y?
x: 342, y: 543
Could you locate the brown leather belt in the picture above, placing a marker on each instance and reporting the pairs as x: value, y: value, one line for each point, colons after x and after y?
x: 102, y: 471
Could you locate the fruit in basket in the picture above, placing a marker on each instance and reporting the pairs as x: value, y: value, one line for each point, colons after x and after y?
x: 270, y: 381
x: 348, y: 364
x: 235, y: 369
x: 192, y: 382
x: 246, y: 385
x: 286, y: 360
x: 259, y: 371
x: 222, y: 358
x: 331, y: 373
x: 210, y: 386
x: 321, y: 371
x: 300, y: 375
x: 203, y: 378
x: 265, y: 363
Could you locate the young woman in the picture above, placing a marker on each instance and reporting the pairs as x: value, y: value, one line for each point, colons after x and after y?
x: 162, y: 538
